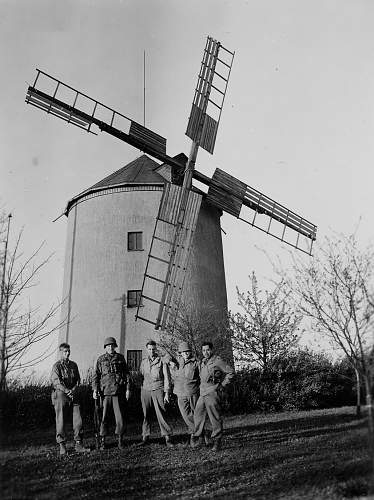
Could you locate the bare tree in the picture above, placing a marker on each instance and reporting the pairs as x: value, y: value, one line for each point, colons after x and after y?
x: 335, y: 290
x: 197, y: 325
x: 267, y: 328
x: 21, y: 326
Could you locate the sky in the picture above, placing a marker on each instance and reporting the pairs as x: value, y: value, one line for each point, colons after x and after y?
x: 297, y: 124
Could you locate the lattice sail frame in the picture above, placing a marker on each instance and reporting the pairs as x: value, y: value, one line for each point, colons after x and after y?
x: 63, y: 101
x: 234, y: 197
x: 210, y: 93
x: 168, y: 258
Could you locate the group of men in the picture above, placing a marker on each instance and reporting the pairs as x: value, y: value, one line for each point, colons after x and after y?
x: 198, y: 386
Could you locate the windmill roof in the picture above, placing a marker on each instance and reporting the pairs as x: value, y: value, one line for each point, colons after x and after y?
x: 139, y: 171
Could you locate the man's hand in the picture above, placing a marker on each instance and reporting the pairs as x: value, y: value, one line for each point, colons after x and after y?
x: 166, y: 398
x: 95, y: 395
x: 128, y: 394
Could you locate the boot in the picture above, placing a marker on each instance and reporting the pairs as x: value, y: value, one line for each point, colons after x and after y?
x: 196, y: 442
x: 102, y: 443
x: 120, y: 443
x: 217, y: 444
x: 62, y: 449
x: 168, y: 442
x: 79, y: 448
x: 144, y: 441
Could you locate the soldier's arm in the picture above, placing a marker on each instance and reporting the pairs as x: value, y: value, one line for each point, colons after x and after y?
x: 77, y: 377
x: 56, y: 380
x: 127, y: 379
x: 96, y: 378
x: 167, y: 378
x: 227, y: 370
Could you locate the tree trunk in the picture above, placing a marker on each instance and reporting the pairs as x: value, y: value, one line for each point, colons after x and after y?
x: 358, y: 395
x: 369, y: 404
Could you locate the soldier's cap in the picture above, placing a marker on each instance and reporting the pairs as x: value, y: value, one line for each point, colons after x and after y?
x: 110, y: 340
x: 183, y: 347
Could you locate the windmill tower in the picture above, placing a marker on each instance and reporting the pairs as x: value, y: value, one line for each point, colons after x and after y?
x: 109, y: 232
x: 183, y: 217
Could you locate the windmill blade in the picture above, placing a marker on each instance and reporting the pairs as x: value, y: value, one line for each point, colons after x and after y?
x: 210, y: 93
x: 235, y: 197
x: 167, y: 259
x: 58, y: 99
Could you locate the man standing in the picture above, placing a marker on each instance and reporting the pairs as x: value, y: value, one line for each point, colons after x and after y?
x: 111, y: 381
x: 65, y: 379
x: 214, y: 375
x: 186, y: 385
x: 155, y: 391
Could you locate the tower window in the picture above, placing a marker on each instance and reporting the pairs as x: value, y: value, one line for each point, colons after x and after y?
x: 134, y: 241
x: 134, y: 358
x: 134, y: 298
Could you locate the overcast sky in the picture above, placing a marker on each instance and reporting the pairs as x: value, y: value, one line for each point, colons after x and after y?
x: 298, y: 121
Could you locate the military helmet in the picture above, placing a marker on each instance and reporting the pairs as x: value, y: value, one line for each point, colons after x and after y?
x: 183, y: 346
x: 110, y: 340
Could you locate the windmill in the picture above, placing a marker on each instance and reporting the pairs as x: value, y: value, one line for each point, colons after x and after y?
x: 176, y: 220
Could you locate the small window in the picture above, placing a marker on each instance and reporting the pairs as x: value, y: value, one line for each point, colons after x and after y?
x: 134, y: 241
x: 134, y: 358
x: 134, y: 298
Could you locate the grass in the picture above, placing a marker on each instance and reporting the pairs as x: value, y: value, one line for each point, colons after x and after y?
x: 319, y: 454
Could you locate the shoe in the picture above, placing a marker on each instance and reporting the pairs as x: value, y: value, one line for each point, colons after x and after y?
x: 168, y: 442
x: 62, y: 449
x: 120, y: 443
x: 196, y: 442
x: 217, y: 444
x: 79, y: 448
x: 144, y: 441
x: 207, y: 440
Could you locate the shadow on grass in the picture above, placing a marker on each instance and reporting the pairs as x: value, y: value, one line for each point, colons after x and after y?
x: 306, y: 456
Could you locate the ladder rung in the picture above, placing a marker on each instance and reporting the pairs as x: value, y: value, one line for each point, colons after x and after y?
x: 214, y: 104
x: 145, y: 319
x: 223, y: 78
x: 217, y: 89
x: 223, y: 62
x: 151, y: 299
x: 154, y: 278
x: 162, y: 239
x: 158, y: 258
x: 227, y: 50
x: 167, y: 221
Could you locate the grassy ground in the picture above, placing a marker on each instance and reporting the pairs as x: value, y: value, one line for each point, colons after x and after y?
x: 304, y: 455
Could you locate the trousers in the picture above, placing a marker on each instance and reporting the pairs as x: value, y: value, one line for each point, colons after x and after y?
x: 208, y: 405
x: 155, y: 398
x: 63, y: 404
x: 186, y: 405
x: 112, y: 402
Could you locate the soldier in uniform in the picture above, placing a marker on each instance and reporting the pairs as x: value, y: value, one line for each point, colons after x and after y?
x: 215, y: 374
x: 155, y: 392
x: 186, y: 385
x: 65, y: 379
x: 111, y: 382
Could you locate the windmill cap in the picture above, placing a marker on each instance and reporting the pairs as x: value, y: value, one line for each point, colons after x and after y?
x: 110, y: 340
x: 183, y: 346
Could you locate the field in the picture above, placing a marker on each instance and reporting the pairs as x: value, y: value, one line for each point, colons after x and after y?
x: 319, y: 454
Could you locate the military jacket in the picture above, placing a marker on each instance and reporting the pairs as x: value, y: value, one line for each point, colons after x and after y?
x: 65, y: 376
x: 155, y: 373
x: 214, y: 372
x: 111, y: 376
x: 186, y: 377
